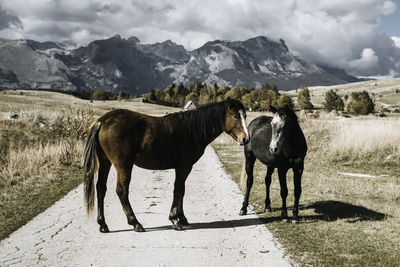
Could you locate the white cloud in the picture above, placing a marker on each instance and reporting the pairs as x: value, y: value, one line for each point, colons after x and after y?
x: 330, y: 32
x: 366, y: 63
x: 396, y: 41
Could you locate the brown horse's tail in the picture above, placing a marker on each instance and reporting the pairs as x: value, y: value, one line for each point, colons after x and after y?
x: 90, y: 165
x: 243, y: 177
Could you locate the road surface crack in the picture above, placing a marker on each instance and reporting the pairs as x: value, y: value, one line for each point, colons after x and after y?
x: 60, y: 230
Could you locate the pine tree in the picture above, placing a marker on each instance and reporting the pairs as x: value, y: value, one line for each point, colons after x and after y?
x: 360, y: 103
x: 304, y: 99
x: 333, y: 101
x: 285, y: 101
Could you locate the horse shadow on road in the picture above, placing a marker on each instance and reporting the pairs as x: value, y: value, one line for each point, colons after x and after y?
x: 330, y: 210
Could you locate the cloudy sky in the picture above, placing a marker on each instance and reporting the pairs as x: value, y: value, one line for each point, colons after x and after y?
x: 362, y: 36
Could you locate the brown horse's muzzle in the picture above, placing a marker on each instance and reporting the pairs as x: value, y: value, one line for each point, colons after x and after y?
x: 243, y: 139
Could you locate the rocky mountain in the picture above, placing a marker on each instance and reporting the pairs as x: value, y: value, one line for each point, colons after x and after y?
x: 118, y: 64
x: 168, y: 51
x: 23, y: 67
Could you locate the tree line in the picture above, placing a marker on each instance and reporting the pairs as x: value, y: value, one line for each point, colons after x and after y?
x: 255, y: 99
x: 200, y: 93
x: 360, y: 103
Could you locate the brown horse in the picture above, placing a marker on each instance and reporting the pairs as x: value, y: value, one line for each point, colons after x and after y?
x: 176, y: 141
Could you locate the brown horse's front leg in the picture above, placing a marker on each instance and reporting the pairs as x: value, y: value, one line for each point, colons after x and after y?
x: 181, y: 215
x: 176, y: 215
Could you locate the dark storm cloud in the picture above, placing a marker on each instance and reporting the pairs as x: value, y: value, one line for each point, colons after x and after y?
x: 7, y: 19
x: 58, y: 10
x: 149, y: 8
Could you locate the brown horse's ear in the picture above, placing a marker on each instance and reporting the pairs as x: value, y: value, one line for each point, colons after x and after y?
x: 273, y: 109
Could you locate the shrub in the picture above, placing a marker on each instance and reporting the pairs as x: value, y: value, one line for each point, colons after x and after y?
x: 72, y: 123
x: 360, y: 103
x: 122, y: 96
x: 285, y: 100
x: 304, y: 99
x: 333, y: 101
x: 99, y: 95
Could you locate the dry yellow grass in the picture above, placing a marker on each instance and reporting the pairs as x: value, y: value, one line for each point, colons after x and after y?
x: 365, y: 136
x: 38, y: 161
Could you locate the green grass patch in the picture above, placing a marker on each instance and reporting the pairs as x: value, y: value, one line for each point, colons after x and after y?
x: 21, y: 202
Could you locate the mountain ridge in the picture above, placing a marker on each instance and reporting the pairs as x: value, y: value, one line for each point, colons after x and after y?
x: 117, y: 64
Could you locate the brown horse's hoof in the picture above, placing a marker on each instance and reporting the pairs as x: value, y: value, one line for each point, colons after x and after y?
x: 242, y: 212
x: 285, y: 220
x: 138, y: 228
x: 104, y: 229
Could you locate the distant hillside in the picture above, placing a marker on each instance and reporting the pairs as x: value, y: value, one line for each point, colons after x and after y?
x: 118, y: 64
x: 385, y: 93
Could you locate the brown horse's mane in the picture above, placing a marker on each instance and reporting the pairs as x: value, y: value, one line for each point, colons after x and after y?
x: 205, y: 121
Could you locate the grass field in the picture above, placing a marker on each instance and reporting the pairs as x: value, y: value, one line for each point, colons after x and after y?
x: 345, y: 220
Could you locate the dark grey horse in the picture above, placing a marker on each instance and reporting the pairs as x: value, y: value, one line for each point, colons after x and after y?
x: 277, y: 142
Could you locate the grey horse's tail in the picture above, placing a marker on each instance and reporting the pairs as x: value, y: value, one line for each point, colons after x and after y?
x: 243, y: 177
x: 90, y: 164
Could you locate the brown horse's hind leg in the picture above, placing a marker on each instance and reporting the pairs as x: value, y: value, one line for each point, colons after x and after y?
x: 250, y: 160
x: 123, y: 180
x: 101, y: 186
x: 176, y: 214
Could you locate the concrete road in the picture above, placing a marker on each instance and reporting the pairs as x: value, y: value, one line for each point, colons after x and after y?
x: 217, y: 236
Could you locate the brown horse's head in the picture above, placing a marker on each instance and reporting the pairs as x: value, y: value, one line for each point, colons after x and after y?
x: 235, y: 121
